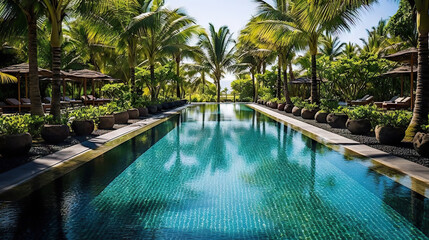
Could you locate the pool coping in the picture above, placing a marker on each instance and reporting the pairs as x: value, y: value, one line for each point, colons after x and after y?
x: 418, y: 175
x: 21, y: 181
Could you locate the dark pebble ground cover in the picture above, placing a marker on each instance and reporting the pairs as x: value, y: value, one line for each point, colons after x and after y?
x: 404, y: 150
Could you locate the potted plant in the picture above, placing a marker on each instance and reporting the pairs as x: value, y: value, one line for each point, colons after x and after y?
x: 140, y: 104
x: 55, y: 131
x: 326, y: 107
x: 14, y: 137
x: 391, y: 127
x: 309, y: 110
x: 421, y: 141
x: 83, y: 120
x: 298, y: 106
x: 106, y: 120
x: 337, y: 118
x: 361, y: 119
x: 121, y: 113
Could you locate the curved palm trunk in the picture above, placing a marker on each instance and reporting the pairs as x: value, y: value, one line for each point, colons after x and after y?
x: 254, y: 89
x: 203, y: 78
x: 421, y: 107
x: 314, y: 93
x: 178, y: 77
x: 286, y: 87
x: 35, y: 98
x: 218, y: 90
x: 56, y: 82
x: 133, y: 81
x: 279, y: 78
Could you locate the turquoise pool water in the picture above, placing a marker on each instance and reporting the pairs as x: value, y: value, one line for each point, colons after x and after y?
x: 219, y: 172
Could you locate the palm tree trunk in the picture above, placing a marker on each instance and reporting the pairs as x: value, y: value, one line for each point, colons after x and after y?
x: 421, y: 107
x: 279, y: 77
x: 314, y: 94
x: 178, y: 76
x: 255, y: 92
x: 286, y: 87
x: 133, y: 82
x: 56, y: 83
x: 218, y: 90
x: 203, y: 77
x: 152, y: 80
x: 35, y: 98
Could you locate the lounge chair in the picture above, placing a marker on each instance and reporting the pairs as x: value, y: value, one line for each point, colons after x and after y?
x: 48, y: 100
x: 363, y: 101
x: 71, y: 101
x: 14, y: 104
x: 404, y: 103
x: 392, y: 100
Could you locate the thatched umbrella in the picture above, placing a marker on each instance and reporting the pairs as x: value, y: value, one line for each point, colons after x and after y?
x: 22, y: 70
x: 406, y: 56
x: 401, y: 72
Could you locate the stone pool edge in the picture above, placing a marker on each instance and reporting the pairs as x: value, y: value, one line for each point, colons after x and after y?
x: 419, y: 175
x: 21, y: 181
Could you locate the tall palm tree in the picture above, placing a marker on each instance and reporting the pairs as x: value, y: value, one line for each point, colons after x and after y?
x: 311, y: 18
x: 331, y: 46
x: 18, y: 16
x: 421, y: 107
x: 350, y: 50
x: 219, y: 53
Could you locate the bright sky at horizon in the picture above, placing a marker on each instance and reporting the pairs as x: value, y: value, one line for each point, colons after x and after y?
x: 236, y: 13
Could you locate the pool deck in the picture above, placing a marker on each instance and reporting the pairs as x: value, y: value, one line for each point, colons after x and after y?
x: 26, y: 178
x: 405, y: 172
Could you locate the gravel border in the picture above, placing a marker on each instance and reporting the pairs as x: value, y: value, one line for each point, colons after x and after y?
x: 403, y: 150
x: 40, y: 148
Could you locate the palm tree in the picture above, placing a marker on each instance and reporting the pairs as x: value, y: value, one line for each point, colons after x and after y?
x: 6, y: 78
x: 350, y: 50
x: 18, y: 16
x: 310, y: 19
x: 421, y: 107
x: 219, y: 53
x: 331, y: 46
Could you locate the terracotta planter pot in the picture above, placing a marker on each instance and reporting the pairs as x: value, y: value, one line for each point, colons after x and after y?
x: 143, y: 111
x: 159, y: 108
x: 288, y: 108
x: 152, y: 109
x: 421, y: 144
x: 337, y: 120
x: 83, y: 127
x: 15, y: 145
x: 121, y: 118
x: 296, y: 111
x: 320, y: 117
x: 165, y: 106
x: 308, y: 114
x: 274, y: 105
x: 184, y: 102
x: 55, y: 133
x: 133, y: 113
x: 106, y: 122
x: 359, y: 127
x: 389, y: 135
x: 281, y: 106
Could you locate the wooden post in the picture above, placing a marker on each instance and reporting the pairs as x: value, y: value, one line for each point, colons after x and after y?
x: 84, y: 88
x: 64, y: 89
x: 19, y: 93
x: 402, y: 85
x: 93, y: 92
x: 412, y: 81
x: 26, y: 86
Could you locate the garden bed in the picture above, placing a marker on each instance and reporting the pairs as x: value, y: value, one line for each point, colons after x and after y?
x: 40, y: 148
x: 403, y: 150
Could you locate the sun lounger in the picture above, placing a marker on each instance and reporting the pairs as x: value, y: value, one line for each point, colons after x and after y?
x: 392, y: 100
x: 14, y: 104
x: 404, y: 103
x: 363, y: 101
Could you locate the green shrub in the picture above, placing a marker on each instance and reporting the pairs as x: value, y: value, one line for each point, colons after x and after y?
x: 274, y: 100
x: 328, y: 105
x: 397, y: 119
x: 298, y: 102
x: 311, y: 106
x: 338, y: 110
x: 13, y: 124
x: 85, y: 113
x: 368, y: 112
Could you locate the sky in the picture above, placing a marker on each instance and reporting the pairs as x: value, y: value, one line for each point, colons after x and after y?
x: 236, y: 13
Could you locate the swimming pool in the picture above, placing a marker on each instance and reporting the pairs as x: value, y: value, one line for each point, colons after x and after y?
x: 220, y: 172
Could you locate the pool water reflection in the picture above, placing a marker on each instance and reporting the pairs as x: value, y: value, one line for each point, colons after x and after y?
x: 219, y: 172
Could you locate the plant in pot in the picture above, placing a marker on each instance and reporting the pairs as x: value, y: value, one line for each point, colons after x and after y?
x: 361, y: 119
x: 337, y: 118
x: 120, y: 112
x: 55, y: 131
x: 391, y: 127
x: 421, y: 141
x: 14, y: 137
x: 326, y: 107
x: 298, y: 104
x: 281, y: 105
x: 273, y: 103
x: 106, y: 120
x: 309, y: 110
x: 83, y: 120
x: 152, y: 107
x: 140, y: 104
